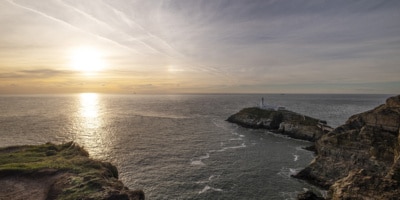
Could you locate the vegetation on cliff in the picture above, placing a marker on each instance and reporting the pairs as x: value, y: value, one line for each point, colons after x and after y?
x: 286, y: 122
x: 63, y: 171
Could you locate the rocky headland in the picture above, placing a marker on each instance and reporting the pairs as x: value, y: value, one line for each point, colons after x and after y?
x: 285, y: 122
x: 360, y: 159
x: 63, y: 171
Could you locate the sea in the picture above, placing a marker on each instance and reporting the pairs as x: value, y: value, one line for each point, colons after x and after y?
x: 180, y: 146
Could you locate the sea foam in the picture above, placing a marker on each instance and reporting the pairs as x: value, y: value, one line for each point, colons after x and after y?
x: 198, y: 161
x: 206, y: 188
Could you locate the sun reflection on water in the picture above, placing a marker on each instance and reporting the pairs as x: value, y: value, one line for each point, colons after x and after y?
x: 90, y: 121
x: 89, y: 110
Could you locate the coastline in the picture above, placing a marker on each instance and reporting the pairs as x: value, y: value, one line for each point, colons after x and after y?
x: 360, y: 159
x: 357, y: 160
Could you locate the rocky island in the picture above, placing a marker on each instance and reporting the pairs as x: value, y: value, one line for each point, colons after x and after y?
x: 285, y: 122
x: 62, y: 171
x: 360, y: 159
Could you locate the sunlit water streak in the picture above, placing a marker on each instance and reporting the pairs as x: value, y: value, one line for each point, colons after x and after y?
x: 178, y: 146
x: 89, y: 120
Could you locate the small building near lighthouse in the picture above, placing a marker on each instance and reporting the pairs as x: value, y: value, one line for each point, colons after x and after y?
x: 266, y: 106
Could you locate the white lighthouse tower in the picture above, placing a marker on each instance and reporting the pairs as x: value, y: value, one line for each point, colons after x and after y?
x: 265, y: 106
x: 262, y: 103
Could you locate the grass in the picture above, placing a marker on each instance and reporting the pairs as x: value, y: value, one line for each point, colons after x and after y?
x: 27, y: 159
x: 87, y: 178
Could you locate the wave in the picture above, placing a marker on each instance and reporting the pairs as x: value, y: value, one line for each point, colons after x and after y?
x: 296, y: 157
x: 243, y: 145
x: 206, y: 188
x: 210, y: 179
x: 227, y: 127
x: 199, y: 160
x: 232, y: 144
x: 288, y: 172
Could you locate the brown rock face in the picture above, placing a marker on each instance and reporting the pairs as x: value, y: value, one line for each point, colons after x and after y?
x: 360, y: 159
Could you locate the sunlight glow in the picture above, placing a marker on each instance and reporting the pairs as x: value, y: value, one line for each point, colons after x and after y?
x: 89, y: 107
x: 174, y: 69
x: 89, y: 123
x: 87, y: 60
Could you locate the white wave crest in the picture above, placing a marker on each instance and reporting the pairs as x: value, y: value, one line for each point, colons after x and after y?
x: 199, y: 160
x: 296, y: 157
x: 287, y: 172
x: 206, y: 188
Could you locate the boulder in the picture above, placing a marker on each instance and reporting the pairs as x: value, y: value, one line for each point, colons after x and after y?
x: 309, y: 195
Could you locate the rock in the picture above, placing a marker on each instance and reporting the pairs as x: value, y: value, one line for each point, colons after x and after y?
x: 63, y: 171
x: 360, y: 159
x: 309, y: 195
x: 281, y: 121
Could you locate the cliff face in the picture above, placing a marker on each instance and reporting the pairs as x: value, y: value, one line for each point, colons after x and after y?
x: 58, y: 172
x: 282, y: 121
x: 360, y: 159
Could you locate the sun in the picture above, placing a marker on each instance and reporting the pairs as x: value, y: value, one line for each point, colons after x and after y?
x: 87, y: 60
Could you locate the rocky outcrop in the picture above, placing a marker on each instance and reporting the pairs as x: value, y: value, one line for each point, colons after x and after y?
x: 281, y: 121
x: 63, y: 171
x: 360, y: 159
x: 308, y: 195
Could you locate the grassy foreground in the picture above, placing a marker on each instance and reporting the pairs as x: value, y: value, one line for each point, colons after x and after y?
x: 68, y: 169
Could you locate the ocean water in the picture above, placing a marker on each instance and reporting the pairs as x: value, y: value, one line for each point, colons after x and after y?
x: 179, y: 146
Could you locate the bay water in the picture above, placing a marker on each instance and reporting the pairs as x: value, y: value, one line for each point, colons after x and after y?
x: 179, y: 146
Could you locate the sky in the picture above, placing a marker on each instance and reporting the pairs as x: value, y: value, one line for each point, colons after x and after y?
x: 200, y: 46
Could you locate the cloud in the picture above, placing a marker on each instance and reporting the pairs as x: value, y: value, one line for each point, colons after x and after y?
x: 216, y: 43
x: 36, y: 74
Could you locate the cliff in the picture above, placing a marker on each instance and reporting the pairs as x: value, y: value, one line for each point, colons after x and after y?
x: 63, y: 171
x: 281, y: 121
x: 360, y: 159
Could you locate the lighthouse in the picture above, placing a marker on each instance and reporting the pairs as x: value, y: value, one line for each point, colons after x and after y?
x: 265, y: 106
x: 262, y: 103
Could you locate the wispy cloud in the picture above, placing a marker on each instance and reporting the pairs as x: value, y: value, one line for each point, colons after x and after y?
x: 231, y: 42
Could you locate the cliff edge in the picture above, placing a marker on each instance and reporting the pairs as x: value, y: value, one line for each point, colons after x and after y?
x: 63, y: 171
x: 285, y: 122
x: 360, y: 159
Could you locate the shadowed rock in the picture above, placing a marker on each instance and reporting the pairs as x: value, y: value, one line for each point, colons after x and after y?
x: 308, y: 196
x: 360, y: 159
